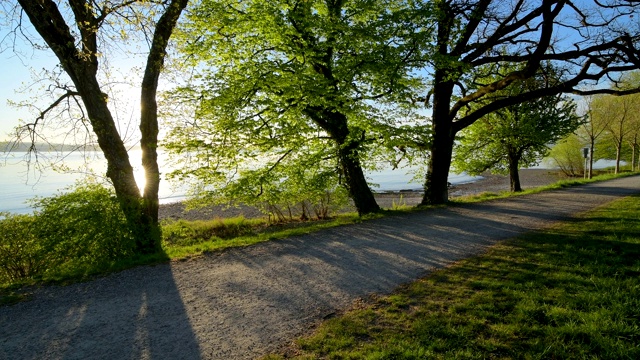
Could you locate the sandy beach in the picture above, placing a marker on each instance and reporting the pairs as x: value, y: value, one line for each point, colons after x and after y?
x: 529, y: 178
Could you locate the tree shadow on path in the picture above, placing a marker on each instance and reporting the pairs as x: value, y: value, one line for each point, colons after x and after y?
x: 136, y: 314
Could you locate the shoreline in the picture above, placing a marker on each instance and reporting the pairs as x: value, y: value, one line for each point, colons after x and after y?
x: 529, y: 178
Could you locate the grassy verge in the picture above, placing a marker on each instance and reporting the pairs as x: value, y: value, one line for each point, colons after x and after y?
x: 191, y: 238
x: 184, y: 239
x: 555, y: 186
x: 565, y: 293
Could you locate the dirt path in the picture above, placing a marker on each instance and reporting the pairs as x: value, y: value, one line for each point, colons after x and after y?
x: 242, y: 303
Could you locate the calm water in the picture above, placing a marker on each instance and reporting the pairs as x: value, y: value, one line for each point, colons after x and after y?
x: 18, y: 183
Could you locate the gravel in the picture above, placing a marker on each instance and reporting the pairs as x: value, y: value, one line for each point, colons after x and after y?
x: 245, y: 302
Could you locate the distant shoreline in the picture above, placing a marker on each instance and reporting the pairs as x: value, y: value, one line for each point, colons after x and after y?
x: 11, y: 147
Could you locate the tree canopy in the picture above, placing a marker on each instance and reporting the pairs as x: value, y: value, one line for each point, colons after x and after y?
x: 322, y: 84
x: 620, y: 117
x: 517, y: 135
x: 586, y: 42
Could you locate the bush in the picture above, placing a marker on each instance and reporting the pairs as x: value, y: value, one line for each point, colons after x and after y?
x: 21, y: 254
x: 70, y: 232
x: 567, y: 156
x: 85, y: 225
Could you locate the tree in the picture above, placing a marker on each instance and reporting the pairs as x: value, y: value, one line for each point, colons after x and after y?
x: 630, y: 81
x: 618, y: 114
x: 592, y: 128
x: 315, y: 79
x: 567, y: 155
x: 515, y: 136
x: 632, y: 140
x: 75, y: 40
x: 585, y: 41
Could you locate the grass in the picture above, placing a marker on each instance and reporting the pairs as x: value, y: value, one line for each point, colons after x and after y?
x: 185, y: 239
x: 555, y: 186
x: 191, y: 238
x: 570, y: 292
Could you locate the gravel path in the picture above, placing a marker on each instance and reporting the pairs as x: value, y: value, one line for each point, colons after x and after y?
x: 242, y: 303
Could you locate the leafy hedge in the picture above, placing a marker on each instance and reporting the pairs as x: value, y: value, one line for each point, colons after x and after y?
x: 67, y: 232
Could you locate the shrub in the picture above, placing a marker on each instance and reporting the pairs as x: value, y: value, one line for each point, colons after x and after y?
x: 68, y: 233
x: 21, y: 254
x: 84, y: 225
x: 567, y: 156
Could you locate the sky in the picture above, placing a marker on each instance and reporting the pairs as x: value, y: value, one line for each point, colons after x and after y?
x: 20, y: 65
x: 16, y: 75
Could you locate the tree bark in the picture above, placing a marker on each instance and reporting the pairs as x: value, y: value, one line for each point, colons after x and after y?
x: 514, y: 175
x: 633, y: 157
x: 349, y: 160
x: 336, y: 125
x: 592, y: 146
x: 436, y: 186
x: 355, y: 180
x: 618, y: 154
x: 149, y: 118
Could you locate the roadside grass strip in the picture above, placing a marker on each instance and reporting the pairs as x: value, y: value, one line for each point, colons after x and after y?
x: 569, y: 292
x: 184, y: 239
x: 562, y: 184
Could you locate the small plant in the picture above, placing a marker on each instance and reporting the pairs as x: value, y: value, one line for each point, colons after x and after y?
x: 400, y: 205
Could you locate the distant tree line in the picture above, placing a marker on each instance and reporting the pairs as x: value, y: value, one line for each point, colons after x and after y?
x: 610, y: 131
x: 12, y: 146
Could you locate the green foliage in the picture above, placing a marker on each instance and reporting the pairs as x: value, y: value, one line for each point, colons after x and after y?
x: 181, y: 239
x: 85, y: 225
x: 567, y: 155
x: 285, y: 189
x: 81, y: 229
x: 517, y: 135
x: 185, y: 233
x: 620, y: 119
x: 22, y: 255
x: 287, y: 88
x: 565, y: 293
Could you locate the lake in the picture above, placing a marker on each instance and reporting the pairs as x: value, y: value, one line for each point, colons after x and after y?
x: 18, y: 182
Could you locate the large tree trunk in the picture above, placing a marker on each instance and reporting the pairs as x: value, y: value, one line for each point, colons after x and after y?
x: 149, y: 118
x: 355, y: 180
x: 514, y: 175
x: 336, y: 125
x: 119, y: 169
x: 436, y: 186
x: 81, y: 64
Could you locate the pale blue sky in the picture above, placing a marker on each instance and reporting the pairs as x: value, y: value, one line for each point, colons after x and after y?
x: 15, y: 75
